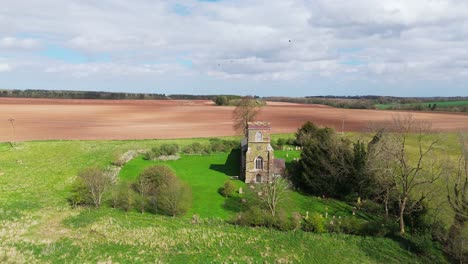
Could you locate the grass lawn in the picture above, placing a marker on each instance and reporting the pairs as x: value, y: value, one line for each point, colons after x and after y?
x: 38, y: 226
x: 440, y: 104
x: 207, y: 173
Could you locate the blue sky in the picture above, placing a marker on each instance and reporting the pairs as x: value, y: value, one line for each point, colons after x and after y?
x: 292, y: 48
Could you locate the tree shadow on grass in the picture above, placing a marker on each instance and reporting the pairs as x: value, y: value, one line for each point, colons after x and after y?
x: 232, y: 165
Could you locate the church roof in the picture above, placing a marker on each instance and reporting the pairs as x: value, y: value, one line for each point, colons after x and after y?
x: 258, y: 125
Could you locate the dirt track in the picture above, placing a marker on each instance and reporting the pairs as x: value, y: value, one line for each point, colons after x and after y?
x: 45, y: 119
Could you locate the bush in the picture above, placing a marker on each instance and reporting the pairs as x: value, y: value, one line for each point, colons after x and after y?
x: 160, y: 189
x: 169, y: 149
x: 350, y: 225
x: 174, y: 197
x: 315, y: 223
x: 420, y: 243
x: 150, y: 155
x: 79, y: 194
x: 123, y: 197
x: 163, y: 150
x: 228, y: 189
x: 197, y: 148
x: 219, y: 145
x: 371, y: 207
x: 285, y: 223
x: 379, y: 228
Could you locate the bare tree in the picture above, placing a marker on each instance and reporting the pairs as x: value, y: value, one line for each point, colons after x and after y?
x: 379, y: 162
x: 246, y: 111
x: 97, y: 183
x: 12, y: 122
x: 411, y: 173
x: 458, y: 200
x: 274, y: 193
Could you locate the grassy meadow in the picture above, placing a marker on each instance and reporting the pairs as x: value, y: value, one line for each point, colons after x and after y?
x: 440, y: 104
x: 38, y: 226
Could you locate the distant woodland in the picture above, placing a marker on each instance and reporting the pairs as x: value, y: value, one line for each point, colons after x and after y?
x: 450, y: 104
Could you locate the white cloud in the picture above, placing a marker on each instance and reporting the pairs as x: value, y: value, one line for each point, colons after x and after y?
x: 262, y: 40
x: 16, y: 43
x: 4, y: 67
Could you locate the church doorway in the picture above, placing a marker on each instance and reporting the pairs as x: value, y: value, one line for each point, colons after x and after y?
x: 258, y: 178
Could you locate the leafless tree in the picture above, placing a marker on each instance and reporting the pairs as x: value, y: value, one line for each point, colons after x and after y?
x: 378, y: 161
x: 97, y: 183
x: 274, y: 193
x: 411, y: 174
x: 246, y: 111
x: 12, y: 122
x: 458, y: 200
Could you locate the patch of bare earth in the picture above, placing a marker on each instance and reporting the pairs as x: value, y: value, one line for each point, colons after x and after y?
x: 55, y: 119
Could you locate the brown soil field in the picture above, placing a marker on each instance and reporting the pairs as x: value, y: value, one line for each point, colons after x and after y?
x: 57, y: 119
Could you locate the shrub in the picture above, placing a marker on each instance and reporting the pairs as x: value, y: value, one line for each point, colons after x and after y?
x: 174, y: 197
x: 194, y: 148
x: 197, y: 148
x: 316, y: 223
x: 219, y: 145
x: 169, y: 149
x: 123, y: 197
x: 281, y: 142
x: 79, y: 194
x: 420, y: 243
x: 379, y: 228
x: 371, y: 207
x: 350, y: 225
x: 160, y: 189
x: 285, y: 223
x: 150, y: 155
x: 228, y: 189
x: 255, y: 216
x: 163, y: 150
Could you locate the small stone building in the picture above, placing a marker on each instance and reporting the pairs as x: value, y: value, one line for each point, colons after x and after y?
x: 258, y: 163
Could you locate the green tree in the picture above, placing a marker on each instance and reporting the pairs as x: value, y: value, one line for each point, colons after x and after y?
x: 160, y: 188
x: 175, y: 197
x: 326, y: 162
x: 221, y: 100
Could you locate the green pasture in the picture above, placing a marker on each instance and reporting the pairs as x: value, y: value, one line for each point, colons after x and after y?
x: 206, y: 174
x: 38, y: 226
x: 440, y: 104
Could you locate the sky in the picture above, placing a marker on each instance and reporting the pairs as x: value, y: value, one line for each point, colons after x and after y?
x: 246, y: 47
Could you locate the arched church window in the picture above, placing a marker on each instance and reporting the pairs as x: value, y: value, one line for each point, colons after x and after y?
x: 258, y: 137
x: 259, y: 163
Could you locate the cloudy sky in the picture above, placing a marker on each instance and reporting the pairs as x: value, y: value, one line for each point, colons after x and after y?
x: 295, y: 48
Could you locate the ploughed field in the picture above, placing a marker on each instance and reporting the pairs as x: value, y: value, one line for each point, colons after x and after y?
x: 52, y: 119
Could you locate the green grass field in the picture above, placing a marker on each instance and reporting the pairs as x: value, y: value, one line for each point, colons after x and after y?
x: 37, y: 224
x: 440, y: 104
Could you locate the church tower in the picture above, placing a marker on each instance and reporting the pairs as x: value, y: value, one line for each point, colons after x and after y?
x: 257, y: 159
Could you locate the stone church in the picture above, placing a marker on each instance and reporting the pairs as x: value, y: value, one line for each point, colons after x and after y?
x: 258, y: 163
